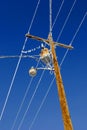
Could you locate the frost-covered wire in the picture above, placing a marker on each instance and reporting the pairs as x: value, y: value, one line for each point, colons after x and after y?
x: 58, y: 14
x: 14, y: 75
x: 26, y: 92
x: 50, y: 15
x: 44, y: 99
x: 66, y: 20
x: 73, y: 38
x: 31, y: 100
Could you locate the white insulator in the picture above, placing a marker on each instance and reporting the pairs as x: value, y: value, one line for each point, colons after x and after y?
x: 32, y: 72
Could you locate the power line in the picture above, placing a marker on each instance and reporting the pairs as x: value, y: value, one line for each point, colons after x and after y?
x: 34, y: 15
x: 31, y: 100
x: 73, y: 38
x: 50, y: 15
x: 14, y: 75
x: 66, y: 20
x: 58, y: 13
x: 3, y: 109
x: 26, y: 92
x: 21, y: 104
x: 54, y: 77
x: 42, y: 103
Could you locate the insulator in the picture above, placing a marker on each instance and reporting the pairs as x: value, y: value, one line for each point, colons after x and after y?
x: 32, y: 72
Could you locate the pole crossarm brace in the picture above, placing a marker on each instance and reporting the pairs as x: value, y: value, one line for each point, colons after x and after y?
x: 48, y: 42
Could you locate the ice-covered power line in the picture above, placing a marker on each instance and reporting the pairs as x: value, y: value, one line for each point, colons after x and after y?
x: 50, y: 15
x: 21, y: 104
x: 34, y: 15
x: 34, y: 49
x: 14, y: 75
x: 31, y: 100
x: 73, y: 38
x: 66, y: 20
x: 58, y: 14
x: 42, y: 103
x: 26, y: 92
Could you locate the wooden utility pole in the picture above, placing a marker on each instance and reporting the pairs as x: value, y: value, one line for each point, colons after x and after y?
x: 62, y: 97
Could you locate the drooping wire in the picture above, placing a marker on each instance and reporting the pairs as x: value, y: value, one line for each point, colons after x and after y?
x: 14, y: 75
x: 73, y: 38
x: 17, y: 56
x: 31, y: 100
x: 32, y: 50
x: 58, y: 14
x: 66, y: 20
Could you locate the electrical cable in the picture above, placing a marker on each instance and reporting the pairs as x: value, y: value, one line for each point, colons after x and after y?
x: 26, y: 92
x: 42, y: 103
x: 73, y: 38
x: 66, y: 20
x: 14, y: 75
x: 31, y: 100
x: 58, y: 14
x: 50, y: 16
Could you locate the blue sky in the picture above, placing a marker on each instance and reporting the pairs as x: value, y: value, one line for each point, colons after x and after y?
x: 15, y: 19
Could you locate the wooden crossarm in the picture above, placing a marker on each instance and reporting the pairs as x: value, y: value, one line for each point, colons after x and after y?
x: 48, y: 42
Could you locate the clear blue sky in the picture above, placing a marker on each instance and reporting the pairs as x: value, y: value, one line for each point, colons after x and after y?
x: 15, y: 18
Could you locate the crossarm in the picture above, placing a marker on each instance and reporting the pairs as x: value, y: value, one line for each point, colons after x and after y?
x: 48, y: 42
